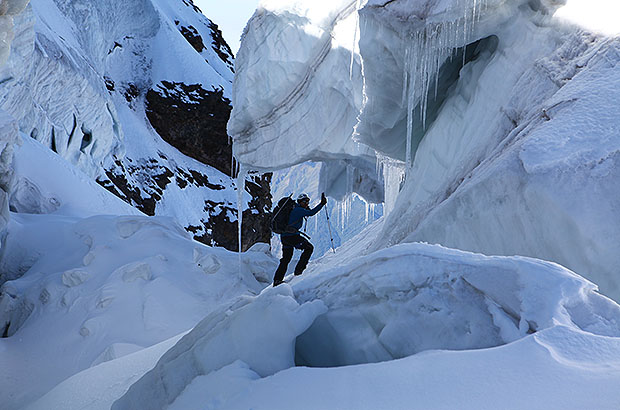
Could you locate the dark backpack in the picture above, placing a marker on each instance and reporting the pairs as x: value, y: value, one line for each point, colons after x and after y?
x: 281, y: 214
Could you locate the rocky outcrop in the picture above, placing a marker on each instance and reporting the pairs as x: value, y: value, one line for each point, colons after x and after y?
x: 193, y: 120
x: 219, y: 227
x: 143, y: 183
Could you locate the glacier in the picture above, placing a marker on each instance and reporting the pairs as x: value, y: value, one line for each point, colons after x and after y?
x: 375, y: 312
x: 469, y: 149
x: 477, y: 142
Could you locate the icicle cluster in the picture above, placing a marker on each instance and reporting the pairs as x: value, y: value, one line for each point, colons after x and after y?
x: 425, y: 52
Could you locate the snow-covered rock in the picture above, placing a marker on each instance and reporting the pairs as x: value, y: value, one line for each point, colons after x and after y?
x: 110, y: 87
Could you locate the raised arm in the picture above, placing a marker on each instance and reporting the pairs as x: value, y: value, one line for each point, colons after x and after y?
x: 317, y: 208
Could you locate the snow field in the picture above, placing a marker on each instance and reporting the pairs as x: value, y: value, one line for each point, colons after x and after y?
x: 102, y: 287
x: 526, y: 374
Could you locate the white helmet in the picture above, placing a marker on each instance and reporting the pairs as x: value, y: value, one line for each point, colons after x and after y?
x: 303, y: 197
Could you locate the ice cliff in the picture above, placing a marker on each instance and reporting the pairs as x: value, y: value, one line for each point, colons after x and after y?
x: 492, y: 123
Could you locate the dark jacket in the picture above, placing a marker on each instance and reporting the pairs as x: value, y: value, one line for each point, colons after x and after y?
x: 296, y: 218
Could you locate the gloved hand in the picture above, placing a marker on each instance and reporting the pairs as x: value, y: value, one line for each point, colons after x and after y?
x: 323, y: 199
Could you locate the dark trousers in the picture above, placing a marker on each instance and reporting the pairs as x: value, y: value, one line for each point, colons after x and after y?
x: 289, y: 243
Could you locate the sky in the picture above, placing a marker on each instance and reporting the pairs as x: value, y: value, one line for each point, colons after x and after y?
x: 230, y: 16
x: 596, y: 15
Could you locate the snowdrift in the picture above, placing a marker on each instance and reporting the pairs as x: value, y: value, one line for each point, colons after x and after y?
x: 391, y: 305
x: 86, y: 291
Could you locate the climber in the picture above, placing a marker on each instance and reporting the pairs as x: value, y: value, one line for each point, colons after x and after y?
x: 293, y: 238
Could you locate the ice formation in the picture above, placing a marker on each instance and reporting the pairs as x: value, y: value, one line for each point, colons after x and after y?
x: 460, y: 101
x: 305, y: 72
x: 487, y: 126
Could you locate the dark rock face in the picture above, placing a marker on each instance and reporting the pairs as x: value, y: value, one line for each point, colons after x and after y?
x: 193, y: 120
x: 192, y: 36
x: 142, y: 184
x: 220, y: 46
x: 217, y: 228
x: 139, y: 183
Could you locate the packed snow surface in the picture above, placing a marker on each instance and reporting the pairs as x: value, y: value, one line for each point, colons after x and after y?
x: 86, y: 291
x: 476, y: 317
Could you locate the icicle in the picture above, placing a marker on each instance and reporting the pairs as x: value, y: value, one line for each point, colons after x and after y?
x: 349, y: 205
x: 379, y: 164
x: 393, y: 173
x: 406, y: 73
x: 355, y: 36
x: 344, y: 214
x: 410, y: 109
x: 240, y: 189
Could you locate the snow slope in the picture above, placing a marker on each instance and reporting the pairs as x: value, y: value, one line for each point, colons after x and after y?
x: 92, y: 83
x: 102, y: 287
x: 483, y: 323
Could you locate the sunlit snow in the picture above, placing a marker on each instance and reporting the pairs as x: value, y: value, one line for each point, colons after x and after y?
x: 597, y: 15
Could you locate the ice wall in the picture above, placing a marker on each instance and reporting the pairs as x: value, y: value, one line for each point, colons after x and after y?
x: 8, y: 127
x: 467, y: 105
x: 66, y: 105
x: 8, y: 138
x: 296, y: 62
x: 8, y: 10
